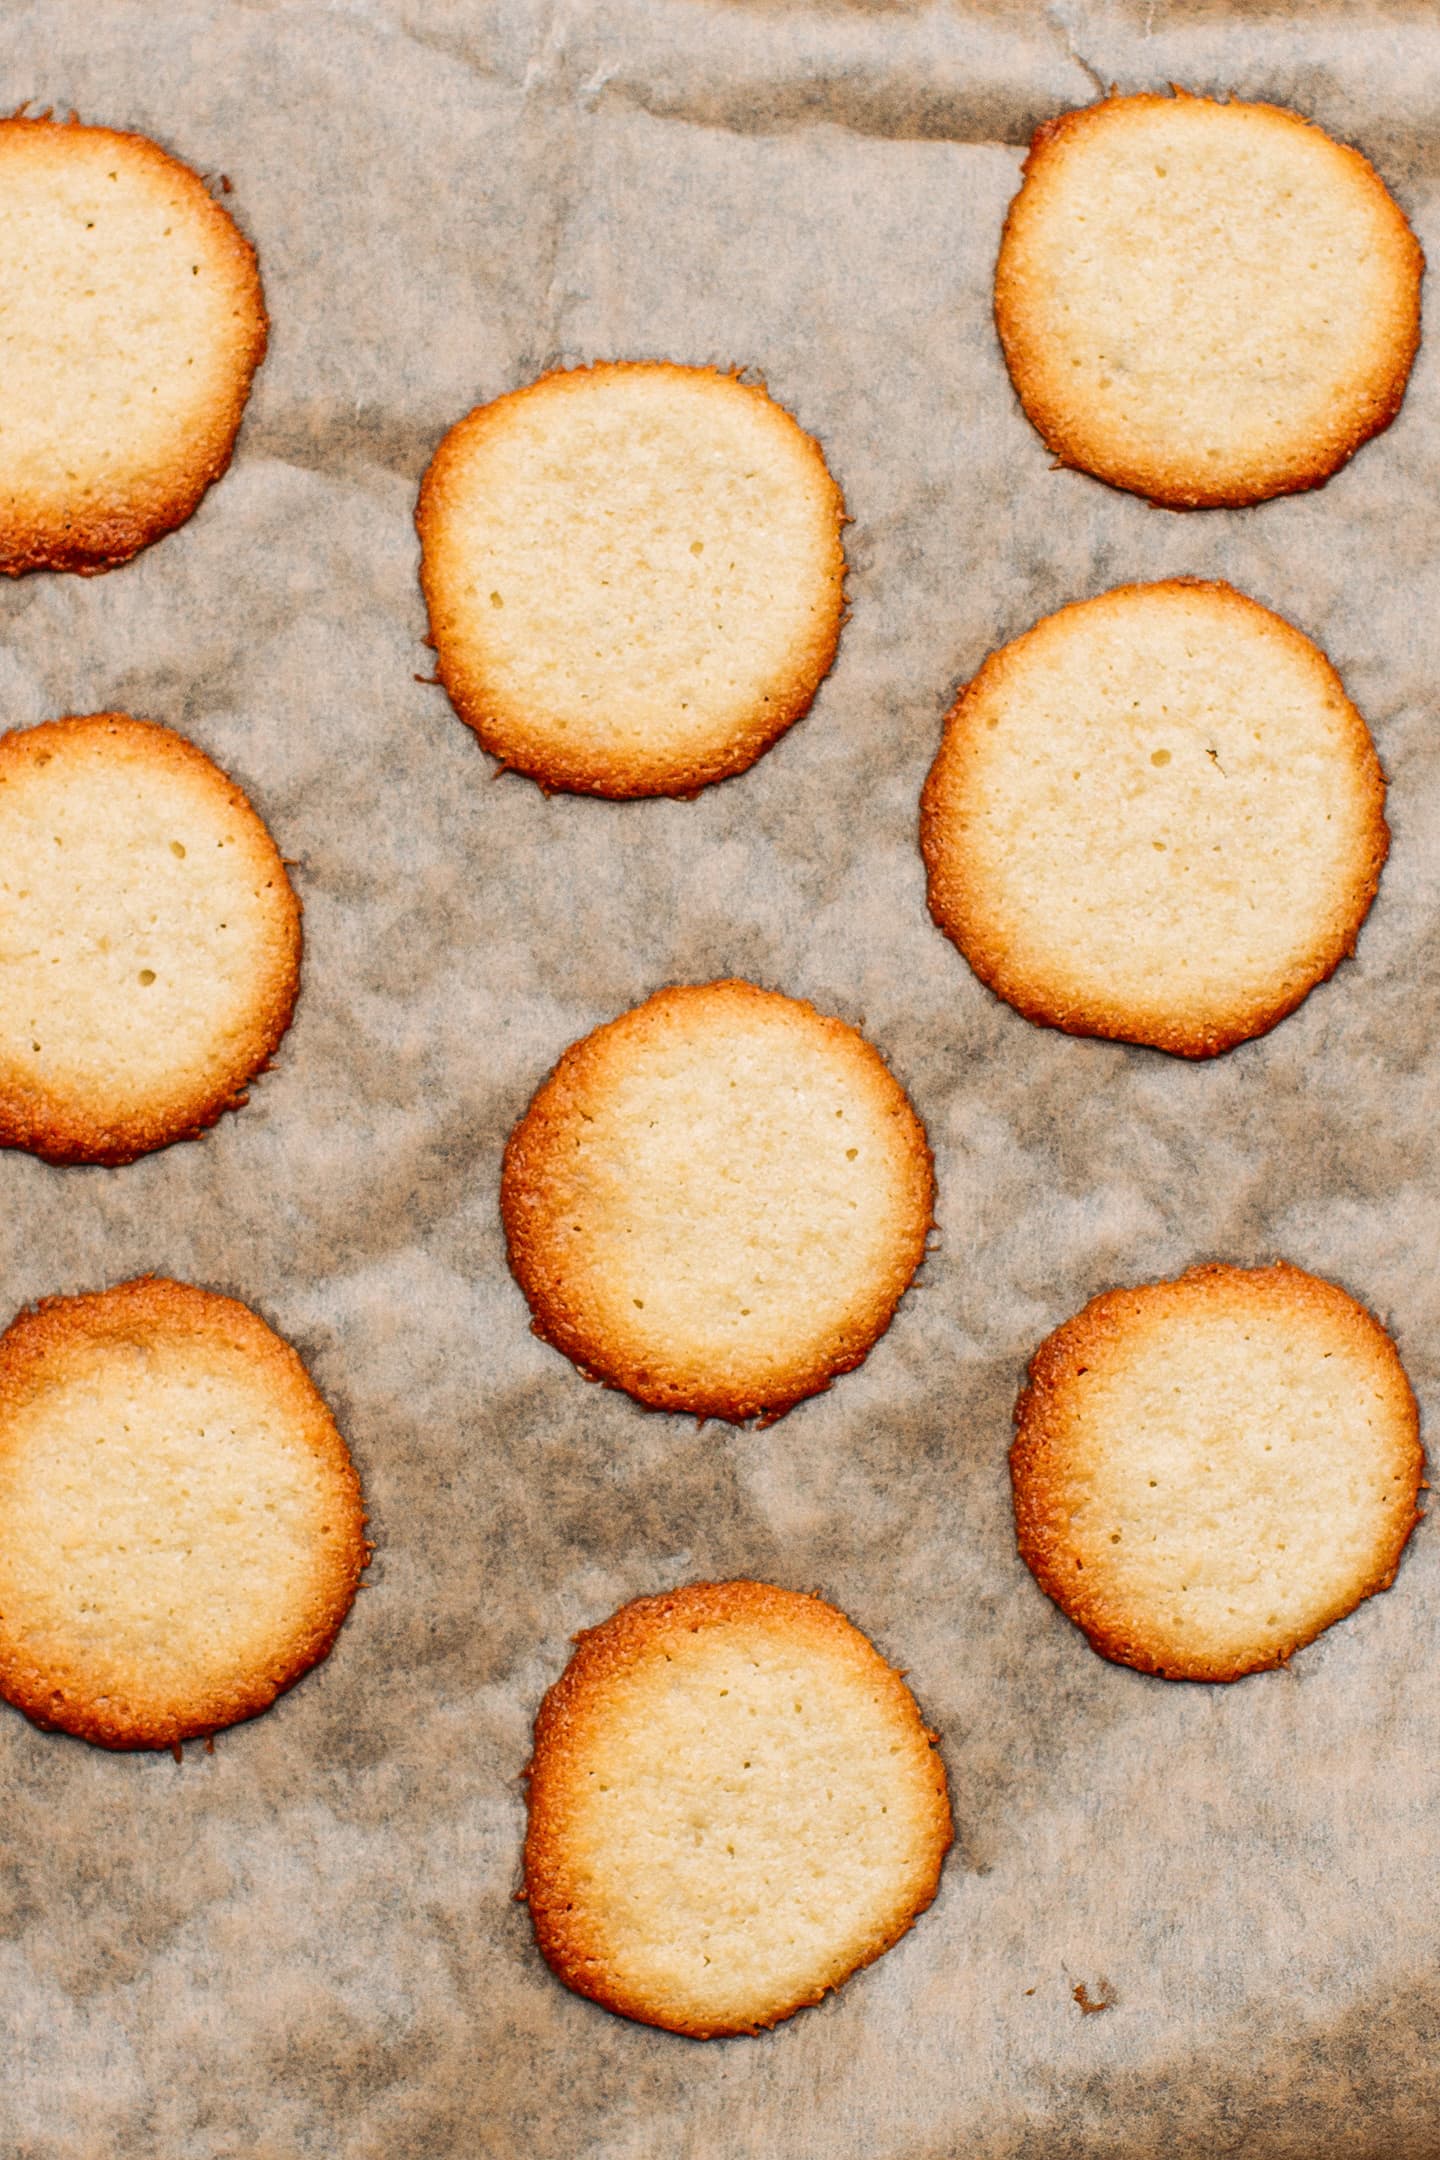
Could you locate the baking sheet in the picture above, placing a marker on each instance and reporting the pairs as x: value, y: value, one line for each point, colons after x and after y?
x: 306, y: 1942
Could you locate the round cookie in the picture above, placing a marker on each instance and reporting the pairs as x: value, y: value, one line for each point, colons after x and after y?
x: 717, y: 1201
x: 149, y: 940
x: 734, y: 1804
x: 1209, y: 1471
x: 133, y: 322
x: 1155, y: 816
x: 1205, y: 303
x: 634, y: 576
x: 181, y: 1527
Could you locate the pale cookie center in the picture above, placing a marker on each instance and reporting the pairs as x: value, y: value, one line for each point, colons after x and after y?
x: 642, y: 562
x: 736, y: 1202
x: 747, y: 1818
x: 132, y: 925
x: 1233, y: 1477
x: 1163, y: 810
x: 114, y: 322
x: 1211, y: 285
x: 161, y: 1527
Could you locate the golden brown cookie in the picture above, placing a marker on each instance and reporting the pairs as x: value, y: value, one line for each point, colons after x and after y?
x: 132, y: 324
x: 1209, y: 1471
x: 1205, y: 303
x: 734, y: 1804
x: 149, y: 940
x: 1155, y: 816
x: 717, y: 1201
x: 633, y: 572
x: 181, y: 1527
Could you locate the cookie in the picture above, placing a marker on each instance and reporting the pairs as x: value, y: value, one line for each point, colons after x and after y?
x: 1205, y: 303
x: 1155, y: 816
x: 634, y: 575
x: 717, y: 1201
x: 181, y: 1527
x: 149, y: 940
x: 734, y: 1804
x: 133, y: 322
x: 1209, y: 1471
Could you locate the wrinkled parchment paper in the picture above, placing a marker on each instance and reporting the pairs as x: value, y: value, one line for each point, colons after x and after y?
x: 305, y: 1942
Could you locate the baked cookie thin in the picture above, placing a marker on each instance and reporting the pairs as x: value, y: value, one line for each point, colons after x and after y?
x: 716, y: 1201
x: 1206, y: 303
x: 132, y: 322
x: 181, y: 1526
x: 634, y: 575
x: 149, y: 940
x: 1155, y: 816
x: 1209, y: 1471
x: 734, y: 1803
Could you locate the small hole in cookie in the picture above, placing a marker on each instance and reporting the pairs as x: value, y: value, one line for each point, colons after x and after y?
x: 697, y: 547
x: 851, y: 1153
x: 1159, y: 757
x: 147, y: 976
x: 639, y: 1304
x: 177, y: 848
x: 495, y: 600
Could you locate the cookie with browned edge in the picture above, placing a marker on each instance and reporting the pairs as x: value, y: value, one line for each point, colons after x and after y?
x: 1209, y: 1471
x: 1205, y: 303
x: 1155, y: 816
x: 181, y: 1526
x: 734, y: 1803
x: 132, y: 323
x: 634, y: 575
x: 717, y: 1201
x: 149, y: 940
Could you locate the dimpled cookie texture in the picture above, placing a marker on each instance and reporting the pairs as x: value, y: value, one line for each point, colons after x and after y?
x: 1156, y: 816
x: 1205, y: 303
x: 181, y: 1527
x: 634, y: 576
x: 131, y: 323
x: 717, y: 1201
x: 1209, y: 1471
x: 734, y: 1803
x: 149, y: 940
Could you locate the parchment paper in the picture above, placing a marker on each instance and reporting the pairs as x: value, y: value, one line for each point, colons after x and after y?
x: 305, y: 1942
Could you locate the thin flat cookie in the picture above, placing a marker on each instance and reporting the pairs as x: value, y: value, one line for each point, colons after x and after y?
x: 181, y: 1526
x: 634, y: 576
x: 1209, y: 1471
x: 149, y: 940
x: 1157, y: 817
x: 717, y: 1201
x: 132, y: 322
x: 734, y: 1803
x: 1205, y: 303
